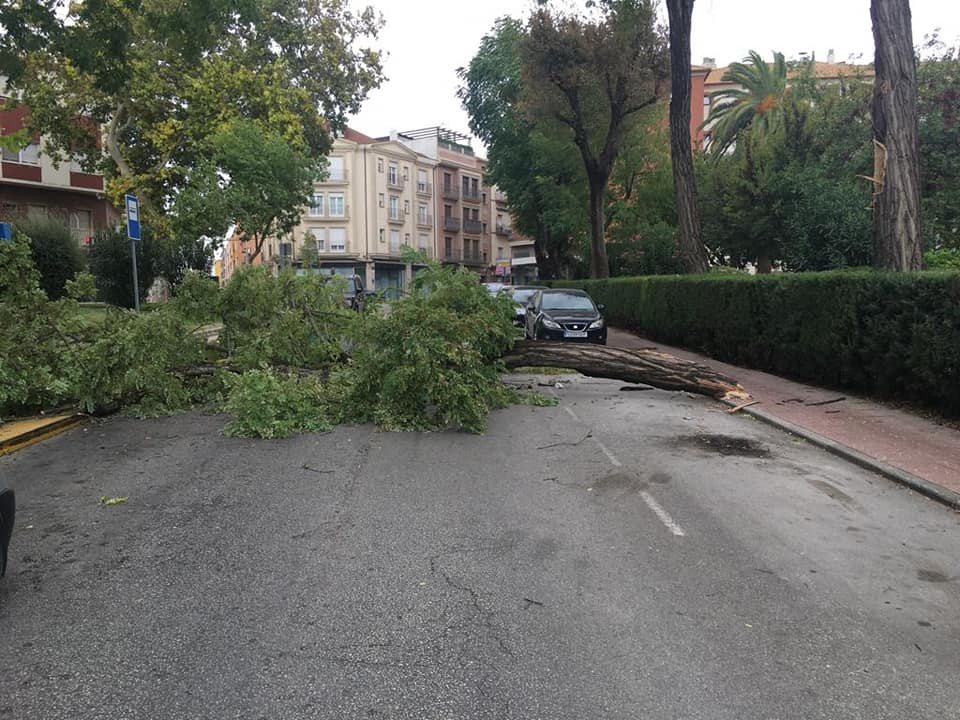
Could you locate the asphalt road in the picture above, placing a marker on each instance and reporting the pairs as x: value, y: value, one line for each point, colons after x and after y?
x: 622, y: 555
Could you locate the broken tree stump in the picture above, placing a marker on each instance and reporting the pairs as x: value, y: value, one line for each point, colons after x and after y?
x: 647, y: 367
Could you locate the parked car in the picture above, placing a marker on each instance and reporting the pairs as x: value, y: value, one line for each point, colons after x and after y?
x: 8, y: 511
x: 521, y: 294
x: 568, y: 315
x: 495, y: 288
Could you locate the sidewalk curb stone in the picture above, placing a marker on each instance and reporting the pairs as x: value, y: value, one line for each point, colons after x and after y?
x: 918, y: 484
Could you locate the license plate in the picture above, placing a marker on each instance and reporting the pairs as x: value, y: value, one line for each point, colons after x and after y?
x: 575, y: 333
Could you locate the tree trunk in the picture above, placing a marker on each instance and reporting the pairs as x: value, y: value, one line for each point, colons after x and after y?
x: 897, y: 243
x: 692, y: 252
x: 637, y: 366
x: 599, y: 268
x: 764, y: 264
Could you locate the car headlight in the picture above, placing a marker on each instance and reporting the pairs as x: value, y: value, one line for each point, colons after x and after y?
x: 548, y: 323
x: 596, y: 324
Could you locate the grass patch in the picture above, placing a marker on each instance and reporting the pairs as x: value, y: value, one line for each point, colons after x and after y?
x: 533, y: 370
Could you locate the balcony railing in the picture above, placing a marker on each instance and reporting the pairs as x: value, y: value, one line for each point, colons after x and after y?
x: 473, y: 257
x: 425, y: 220
x: 394, y: 215
x: 424, y: 188
x: 504, y: 230
x: 451, y: 224
x: 471, y: 196
x: 451, y: 192
x: 500, y: 197
x: 395, y: 181
x: 427, y: 251
x: 335, y: 177
x: 474, y: 227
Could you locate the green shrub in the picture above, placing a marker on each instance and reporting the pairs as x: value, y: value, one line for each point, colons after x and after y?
x: 267, y: 404
x: 197, y: 297
x: 942, y: 259
x: 56, y: 255
x: 893, y: 334
x: 431, y: 362
x: 82, y: 287
x: 109, y: 261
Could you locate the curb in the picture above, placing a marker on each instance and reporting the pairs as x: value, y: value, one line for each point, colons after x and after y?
x: 35, y: 435
x: 914, y: 482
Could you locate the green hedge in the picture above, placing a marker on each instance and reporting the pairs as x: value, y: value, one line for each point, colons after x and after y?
x: 890, y: 334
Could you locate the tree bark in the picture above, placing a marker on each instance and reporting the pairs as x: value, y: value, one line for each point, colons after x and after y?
x: 897, y: 243
x: 764, y: 264
x: 637, y: 366
x: 692, y: 252
x: 599, y: 267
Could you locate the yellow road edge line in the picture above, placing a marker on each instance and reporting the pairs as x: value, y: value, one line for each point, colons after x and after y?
x: 12, y: 447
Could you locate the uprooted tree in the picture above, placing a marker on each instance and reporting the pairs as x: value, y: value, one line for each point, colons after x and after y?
x: 283, y: 355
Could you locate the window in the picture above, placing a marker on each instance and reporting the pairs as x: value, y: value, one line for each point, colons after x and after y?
x: 406, y: 238
x: 319, y: 236
x: 499, y: 252
x: 392, y: 178
x: 383, y: 235
x: 406, y: 207
x: 406, y: 172
x: 422, y: 214
x: 706, y: 99
x: 30, y: 155
x: 448, y: 247
x: 379, y: 164
x: 475, y: 187
x: 381, y: 199
x: 421, y: 181
x: 447, y: 211
x: 466, y: 186
x: 81, y: 225
x: 484, y: 198
x: 394, y: 241
x: 336, y: 206
x: 337, y: 173
x: 338, y: 239
x: 316, y: 205
x: 423, y: 241
x: 447, y: 181
x: 394, y: 207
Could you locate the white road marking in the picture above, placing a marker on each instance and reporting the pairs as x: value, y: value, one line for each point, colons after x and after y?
x: 610, y: 455
x: 662, y: 514
x: 649, y: 499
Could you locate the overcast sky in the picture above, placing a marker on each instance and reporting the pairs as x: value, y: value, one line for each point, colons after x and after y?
x: 427, y: 40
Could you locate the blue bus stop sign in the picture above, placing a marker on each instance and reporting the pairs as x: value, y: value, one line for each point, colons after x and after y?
x: 133, y: 217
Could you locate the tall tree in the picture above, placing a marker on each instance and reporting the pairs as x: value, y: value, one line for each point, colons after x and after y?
x: 897, y: 240
x: 692, y: 251
x: 161, y: 78
x: 755, y: 100
x: 528, y: 161
x: 594, y: 75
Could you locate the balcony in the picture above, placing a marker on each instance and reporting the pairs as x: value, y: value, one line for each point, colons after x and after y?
x: 425, y: 221
x: 471, y: 197
x: 336, y: 177
x: 451, y: 224
x: 394, y: 215
x: 473, y: 258
x: 425, y: 251
x: 474, y: 227
x: 500, y: 196
x: 395, y: 182
x: 504, y: 231
x: 424, y: 188
x: 451, y: 192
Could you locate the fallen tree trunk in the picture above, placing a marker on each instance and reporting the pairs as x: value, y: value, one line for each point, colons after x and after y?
x: 637, y: 366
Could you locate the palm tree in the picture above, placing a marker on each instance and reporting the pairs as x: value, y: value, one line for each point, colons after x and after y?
x: 757, y: 100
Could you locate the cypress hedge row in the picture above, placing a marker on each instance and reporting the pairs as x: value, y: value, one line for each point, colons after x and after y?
x: 888, y: 334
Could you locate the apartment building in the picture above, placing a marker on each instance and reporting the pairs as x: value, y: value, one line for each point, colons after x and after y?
x: 463, y: 203
x: 30, y: 183
x: 377, y: 198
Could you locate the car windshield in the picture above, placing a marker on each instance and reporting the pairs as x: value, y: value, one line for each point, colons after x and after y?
x: 521, y: 296
x: 566, y: 301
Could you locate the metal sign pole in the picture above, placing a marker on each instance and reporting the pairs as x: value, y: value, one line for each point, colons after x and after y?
x: 136, y: 282
x: 133, y: 232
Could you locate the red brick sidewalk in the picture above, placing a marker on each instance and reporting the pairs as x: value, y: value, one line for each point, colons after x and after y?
x: 898, y: 438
